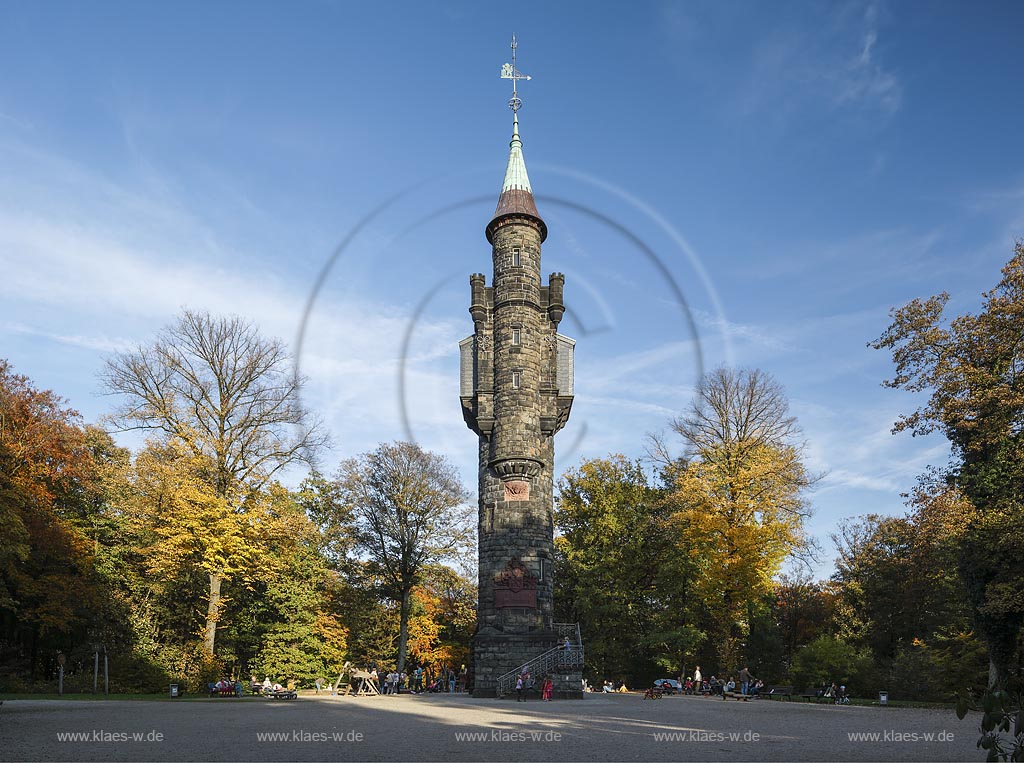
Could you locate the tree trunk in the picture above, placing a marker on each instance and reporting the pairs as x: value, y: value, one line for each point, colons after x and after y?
x: 1002, y: 647
x: 403, y: 627
x: 213, y: 612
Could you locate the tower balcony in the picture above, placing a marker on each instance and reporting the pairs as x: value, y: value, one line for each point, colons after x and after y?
x: 516, y: 468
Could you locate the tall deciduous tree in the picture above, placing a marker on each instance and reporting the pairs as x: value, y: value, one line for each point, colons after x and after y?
x: 972, y: 367
x: 900, y: 595
x: 410, y: 510
x: 230, y: 397
x: 740, y: 496
x: 48, y: 586
x: 621, y: 572
x: 443, y: 619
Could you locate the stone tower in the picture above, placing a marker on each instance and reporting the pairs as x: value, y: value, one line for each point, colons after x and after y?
x: 516, y: 392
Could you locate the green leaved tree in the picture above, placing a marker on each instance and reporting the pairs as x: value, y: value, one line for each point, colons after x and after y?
x: 971, y: 367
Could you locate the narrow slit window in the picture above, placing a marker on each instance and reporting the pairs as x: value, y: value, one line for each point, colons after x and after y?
x: 517, y: 379
x: 516, y: 336
x: 515, y: 256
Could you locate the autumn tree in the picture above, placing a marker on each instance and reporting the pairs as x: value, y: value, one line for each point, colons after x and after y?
x: 900, y: 595
x: 739, y: 494
x: 443, y: 619
x: 798, y: 610
x: 621, y: 572
x: 49, y: 590
x: 321, y: 500
x: 972, y: 369
x: 410, y: 512
x: 230, y: 398
x: 299, y: 631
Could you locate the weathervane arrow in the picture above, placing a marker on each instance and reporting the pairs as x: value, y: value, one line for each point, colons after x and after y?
x: 509, y: 71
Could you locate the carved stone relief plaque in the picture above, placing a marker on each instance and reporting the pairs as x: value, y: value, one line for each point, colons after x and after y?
x: 517, y: 490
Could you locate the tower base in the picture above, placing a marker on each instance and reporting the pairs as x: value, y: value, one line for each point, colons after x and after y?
x: 497, y: 654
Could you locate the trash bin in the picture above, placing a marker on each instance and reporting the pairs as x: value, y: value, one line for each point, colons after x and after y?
x: 883, y: 698
x: 174, y: 690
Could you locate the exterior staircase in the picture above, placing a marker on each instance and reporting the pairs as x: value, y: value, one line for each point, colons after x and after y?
x: 558, y: 659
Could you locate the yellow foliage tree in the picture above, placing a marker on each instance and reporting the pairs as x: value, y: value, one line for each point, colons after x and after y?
x: 176, y: 506
x: 740, y: 498
x: 218, y: 391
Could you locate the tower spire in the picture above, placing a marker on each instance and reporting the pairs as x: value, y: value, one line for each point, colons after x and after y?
x: 516, y: 194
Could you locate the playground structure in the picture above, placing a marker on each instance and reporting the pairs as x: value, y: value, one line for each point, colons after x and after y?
x: 360, y: 683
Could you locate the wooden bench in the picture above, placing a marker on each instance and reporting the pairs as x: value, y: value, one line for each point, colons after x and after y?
x: 736, y: 694
x: 814, y: 696
x: 771, y: 692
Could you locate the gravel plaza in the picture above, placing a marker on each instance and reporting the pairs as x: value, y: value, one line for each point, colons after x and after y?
x: 445, y: 727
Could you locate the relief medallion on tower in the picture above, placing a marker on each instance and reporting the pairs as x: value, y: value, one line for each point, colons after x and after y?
x: 515, y: 586
x: 517, y: 490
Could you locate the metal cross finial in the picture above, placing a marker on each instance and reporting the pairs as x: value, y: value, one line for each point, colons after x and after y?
x: 509, y: 71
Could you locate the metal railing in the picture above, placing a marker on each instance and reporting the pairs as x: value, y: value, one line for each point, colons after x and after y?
x: 548, y: 661
x: 570, y: 630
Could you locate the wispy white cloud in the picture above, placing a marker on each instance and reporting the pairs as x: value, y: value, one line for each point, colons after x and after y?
x: 834, y: 64
x: 97, y: 342
x: 99, y: 265
x: 743, y: 334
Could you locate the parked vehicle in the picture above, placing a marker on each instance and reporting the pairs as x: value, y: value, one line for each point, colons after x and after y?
x: 668, y: 686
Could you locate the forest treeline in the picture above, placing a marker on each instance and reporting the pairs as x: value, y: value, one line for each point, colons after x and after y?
x: 189, y: 559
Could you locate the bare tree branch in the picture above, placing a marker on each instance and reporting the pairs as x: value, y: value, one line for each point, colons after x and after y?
x: 227, y: 393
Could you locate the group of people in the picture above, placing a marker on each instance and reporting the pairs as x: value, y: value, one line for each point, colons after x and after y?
x: 265, y: 687
x: 423, y: 680
x: 834, y: 692
x: 226, y: 687
x: 747, y: 685
x: 525, y: 683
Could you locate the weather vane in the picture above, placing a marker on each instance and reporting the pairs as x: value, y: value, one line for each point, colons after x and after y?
x: 509, y: 71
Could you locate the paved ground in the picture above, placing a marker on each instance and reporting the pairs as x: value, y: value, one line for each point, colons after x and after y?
x: 456, y: 728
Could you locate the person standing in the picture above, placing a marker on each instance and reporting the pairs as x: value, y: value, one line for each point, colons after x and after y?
x: 698, y: 679
x: 548, y: 690
x: 519, y: 688
x: 745, y: 680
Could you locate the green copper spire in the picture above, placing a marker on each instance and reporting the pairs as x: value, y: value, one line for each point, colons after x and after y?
x: 516, y: 193
x: 515, y: 174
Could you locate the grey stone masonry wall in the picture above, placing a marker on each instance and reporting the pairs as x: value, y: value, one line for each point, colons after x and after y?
x: 515, y: 406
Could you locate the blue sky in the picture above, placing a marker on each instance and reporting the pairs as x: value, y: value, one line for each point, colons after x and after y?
x: 791, y: 170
